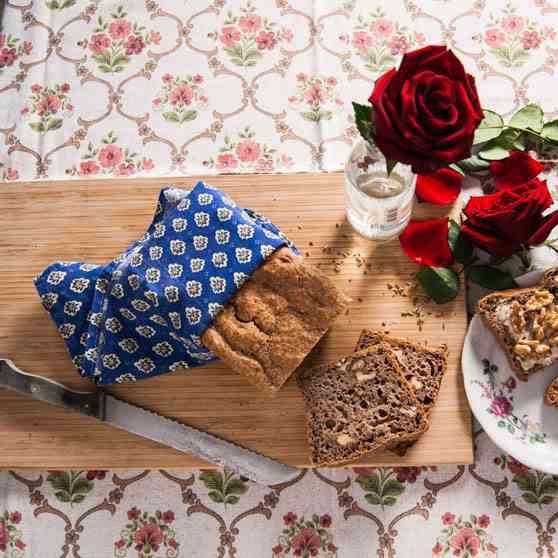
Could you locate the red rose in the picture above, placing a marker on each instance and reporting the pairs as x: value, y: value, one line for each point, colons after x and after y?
x: 426, y: 112
x: 441, y: 187
x: 504, y: 222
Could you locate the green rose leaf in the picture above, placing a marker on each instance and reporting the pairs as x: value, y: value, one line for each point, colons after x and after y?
x: 457, y: 168
x: 511, y: 139
x: 491, y: 278
x: 529, y: 116
x: 363, y: 120
x: 490, y: 127
x: 493, y: 152
x: 460, y: 245
x: 473, y: 164
x: 440, y: 283
x: 390, y: 165
x: 550, y: 131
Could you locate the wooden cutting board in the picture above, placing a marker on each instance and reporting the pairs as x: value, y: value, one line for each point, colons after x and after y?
x: 93, y: 220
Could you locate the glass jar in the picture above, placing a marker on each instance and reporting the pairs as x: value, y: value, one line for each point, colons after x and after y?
x: 378, y: 206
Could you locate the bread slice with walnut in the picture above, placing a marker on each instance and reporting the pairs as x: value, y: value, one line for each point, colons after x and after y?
x: 551, y: 395
x: 525, y: 322
x: 423, y: 367
x: 274, y: 320
x: 357, y: 405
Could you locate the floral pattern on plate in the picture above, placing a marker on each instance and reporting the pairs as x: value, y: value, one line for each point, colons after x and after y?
x: 501, y: 406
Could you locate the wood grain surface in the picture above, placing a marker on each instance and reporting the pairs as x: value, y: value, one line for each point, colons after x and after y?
x: 93, y: 220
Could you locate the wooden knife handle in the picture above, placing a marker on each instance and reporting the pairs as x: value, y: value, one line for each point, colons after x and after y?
x: 42, y: 389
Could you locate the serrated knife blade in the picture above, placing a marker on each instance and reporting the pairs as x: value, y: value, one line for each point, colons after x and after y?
x: 147, y: 424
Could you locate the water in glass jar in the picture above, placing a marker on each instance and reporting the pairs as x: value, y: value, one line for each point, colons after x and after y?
x: 378, y: 206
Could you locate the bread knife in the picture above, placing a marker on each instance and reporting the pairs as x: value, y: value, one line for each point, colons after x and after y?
x: 113, y: 411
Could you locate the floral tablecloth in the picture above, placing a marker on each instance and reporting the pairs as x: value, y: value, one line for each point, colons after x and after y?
x: 208, y: 86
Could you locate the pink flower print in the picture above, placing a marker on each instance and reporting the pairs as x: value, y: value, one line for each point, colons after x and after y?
x: 27, y: 47
x: 364, y: 471
x: 332, y: 81
x: 35, y: 88
x: 325, y: 521
x: 65, y: 87
x: 437, y: 549
x: 266, y: 40
x: 134, y: 45
x: 99, y: 43
x: 119, y: 544
x: 167, y: 78
x: 48, y: 105
x: 277, y: 550
x: 110, y: 156
x: 531, y: 40
x: 88, y: 167
x: 225, y: 161
x: 157, y: 102
x: 407, y: 474
x: 398, y: 44
x: 147, y: 164
x: 24, y: 111
x: 168, y: 516
x: 15, y: 517
x: 491, y: 548
x: 119, y: 29
x: 181, y: 95
x: 381, y: 27
x: 20, y: 544
x: 134, y: 513
x: 339, y: 102
x: 362, y: 40
x: 286, y: 161
x: 316, y: 95
x: 301, y: 77
x: 483, y: 521
x: 229, y: 36
x: 250, y: 23
x: 7, y: 56
x: 264, y: 165
x: 465, y: 542
x: 549, y: 32
x: 448, y: 518
x: 500, y: 406
x: 331, y: 547
x: 202, y: 100
x: 173, y: 544
x: 155, y: 37
x: 516, y: 467
x: 513, y: 24
x: 12, y: 174
x: 306, y: 542
x: 3, y: 537
x: 248, y: 150
x: 126, y: 169
x: 290, y: 518
x: 494, y: 38
x: 150, y: 534
x: 286, y: 34
x: 198, y: 78
x: 293, y: 99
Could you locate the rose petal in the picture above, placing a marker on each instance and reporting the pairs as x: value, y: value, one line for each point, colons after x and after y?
x: 514, y: 170
x: 426, y: 242
x: 550, y: 221
x: 441, y: 187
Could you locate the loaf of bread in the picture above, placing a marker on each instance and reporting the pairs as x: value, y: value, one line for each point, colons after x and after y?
x: 423, y: 367
x: 358, y: 405
x: 525, y: 322
x: 274, y: 320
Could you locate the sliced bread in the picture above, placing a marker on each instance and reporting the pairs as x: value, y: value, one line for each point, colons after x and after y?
x: 358, y: 405
x: 423, y: 367
x: 551, y: 395
x: 525, y: 322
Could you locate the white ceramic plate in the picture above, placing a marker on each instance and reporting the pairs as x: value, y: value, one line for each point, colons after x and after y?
x: 511, y: 412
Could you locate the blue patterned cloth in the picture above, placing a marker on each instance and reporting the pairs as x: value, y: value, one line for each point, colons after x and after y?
x: 143, y: 314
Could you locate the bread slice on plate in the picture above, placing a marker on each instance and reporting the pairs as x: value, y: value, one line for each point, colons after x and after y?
x: 525, y: 322
x: 274, y: 320
x: 550, y: 280
x: 423, y: 367
x: 551, y: 395
x: 358, y: 405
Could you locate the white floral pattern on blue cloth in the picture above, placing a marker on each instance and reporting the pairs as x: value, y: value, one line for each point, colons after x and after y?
x: 143, y: 314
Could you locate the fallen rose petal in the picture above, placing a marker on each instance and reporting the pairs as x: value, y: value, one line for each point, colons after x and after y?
x: 426, y: 242
x: 550, y: 221
x: 514, y: 170
x: 441, y: 187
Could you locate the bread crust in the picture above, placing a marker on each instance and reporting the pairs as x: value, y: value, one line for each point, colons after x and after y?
x: 551, y: 394
x: 309, y: 383
x: 274, y: 320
